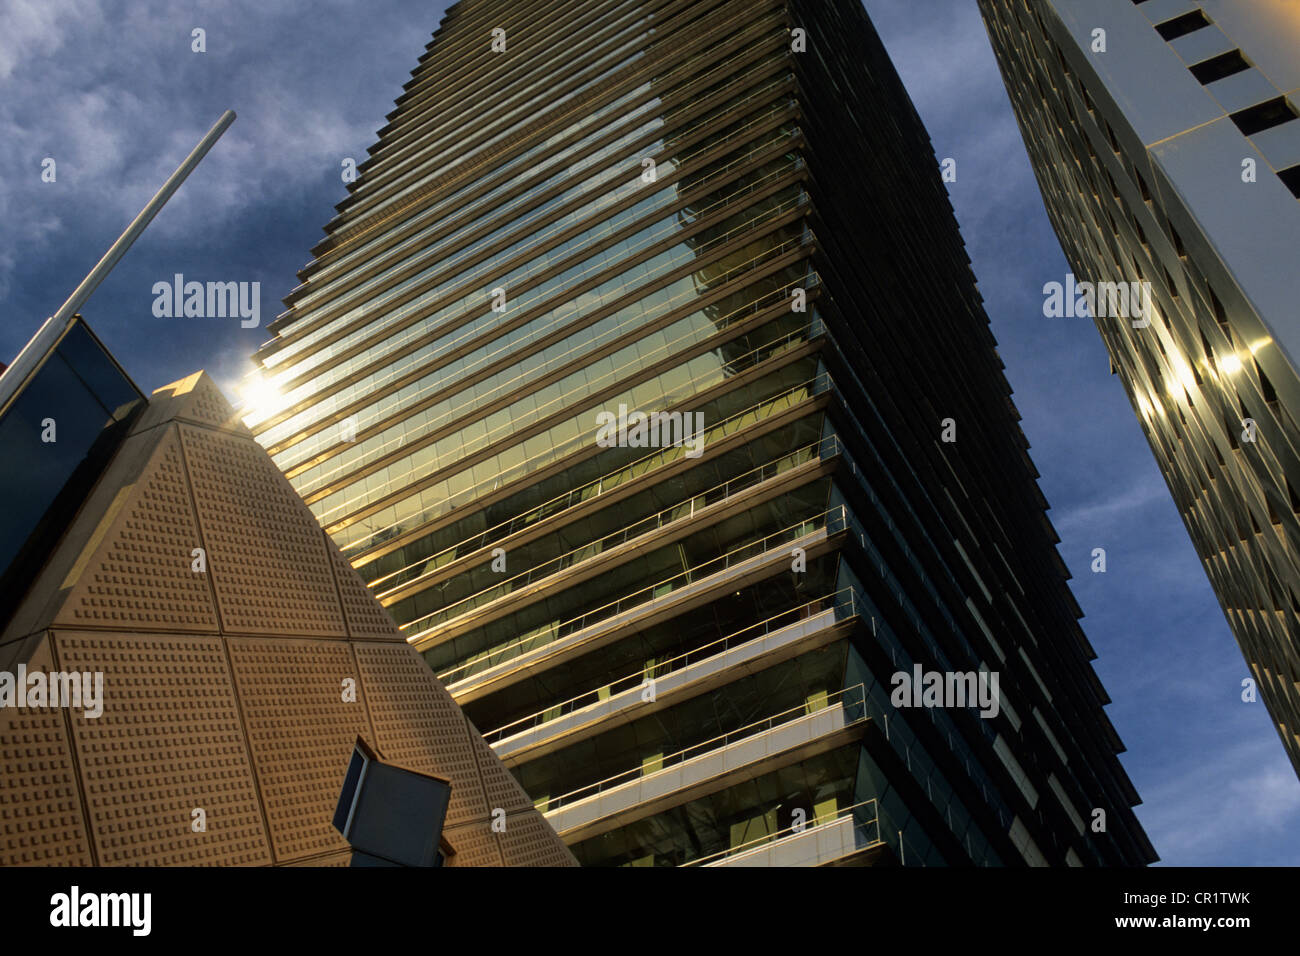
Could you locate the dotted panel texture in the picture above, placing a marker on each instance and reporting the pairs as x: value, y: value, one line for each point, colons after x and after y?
x: 343, y: 858
x: 528, y: 840
x: 169, y: 740
x: 195, y: 398
x: 203, y: 403
x: 502, y: 788
x: 266, y: 555
x: 475, y: 845
x: 366, y: 616
x: 141, y: 575
x: 301, y: 733
x: 41, y: 821
x: 419, y: 726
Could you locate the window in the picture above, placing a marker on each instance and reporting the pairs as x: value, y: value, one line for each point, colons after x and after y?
x: 1264, y: 116
x: 1291, y: 179
x: 1218, y: 67
x: 1181, y: 26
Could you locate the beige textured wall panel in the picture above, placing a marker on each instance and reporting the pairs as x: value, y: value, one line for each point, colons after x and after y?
x: 475, y: 845
x: 49, y: 591
x: 41, y: 819
x: 266, y: 556
x: 300, y: 732
x: 418, y: 725
x: 528, y: 840
x: 343, y: 858
x: 169, y: 740
x: 252, y: 728
x: 503, y: 790
x: 136, y: 572
x: 366, y: 617
x: 194, y: 399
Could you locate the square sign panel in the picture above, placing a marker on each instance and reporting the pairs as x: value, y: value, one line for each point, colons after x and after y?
x: 390, y: 813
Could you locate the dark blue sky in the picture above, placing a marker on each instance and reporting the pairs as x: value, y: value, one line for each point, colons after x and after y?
x: 113, y: 93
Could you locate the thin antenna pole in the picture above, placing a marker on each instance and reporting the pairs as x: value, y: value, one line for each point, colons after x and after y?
x: 124, y: 241
x: 52, y: 329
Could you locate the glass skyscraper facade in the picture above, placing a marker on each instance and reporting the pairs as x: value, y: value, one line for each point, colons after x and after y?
x: 1166, y: 140
x: 682, y: 633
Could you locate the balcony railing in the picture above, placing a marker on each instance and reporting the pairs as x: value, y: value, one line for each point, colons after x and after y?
x: 654, y: 524
x: 832, y: 521
x: 844, y: 602
x: 378, y: 535
x: 442, y: 384
x: 853, y: 700
x: 866, y: 825
x: 582, y: 493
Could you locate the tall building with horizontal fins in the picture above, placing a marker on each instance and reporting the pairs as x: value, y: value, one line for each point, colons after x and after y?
x: 1166, y: 140
x: 627, y: 377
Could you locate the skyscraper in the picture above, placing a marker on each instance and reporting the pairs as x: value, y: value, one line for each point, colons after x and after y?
x: 1166, y: 141
x: 643, y: 377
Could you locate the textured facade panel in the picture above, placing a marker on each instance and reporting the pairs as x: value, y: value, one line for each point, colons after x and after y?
x: 301, y: 733
x: 503, y: 790
x: 475, y: 845
x: 342, y: 858
x: 169, y: 741
x: 41, y: 817
x: 254, y: 731
x: 529, y: 841
x: 195, y: 399
x: 418, y: 725
x: 265, y: 555
x: 141, y: 575
x: 366, y: 617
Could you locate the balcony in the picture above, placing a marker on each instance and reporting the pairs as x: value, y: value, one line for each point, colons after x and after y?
x: 712, y: 765
x: 487, y: 672
x: 686, y: 675
x: 853, y: 832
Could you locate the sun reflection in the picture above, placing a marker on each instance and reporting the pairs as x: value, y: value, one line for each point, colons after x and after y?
x: 258, y: 397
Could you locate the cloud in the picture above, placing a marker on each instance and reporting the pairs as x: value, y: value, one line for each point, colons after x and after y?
x: 1121, y: 504
x: 1243, y: 803
x: 31, y: 29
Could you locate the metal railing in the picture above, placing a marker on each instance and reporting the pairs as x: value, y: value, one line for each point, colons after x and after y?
x: 676, y: 513
x: 592, y: 488
x: 293, y: 457
x: 844, y: 602
x: 869, y: 827
x: 302, y: 382
x: 832, y: 521
x: 532, y: 238
x: 852, y: 699
x: 359, y: 501
x: 440, y: 210
x: 455, y: 406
